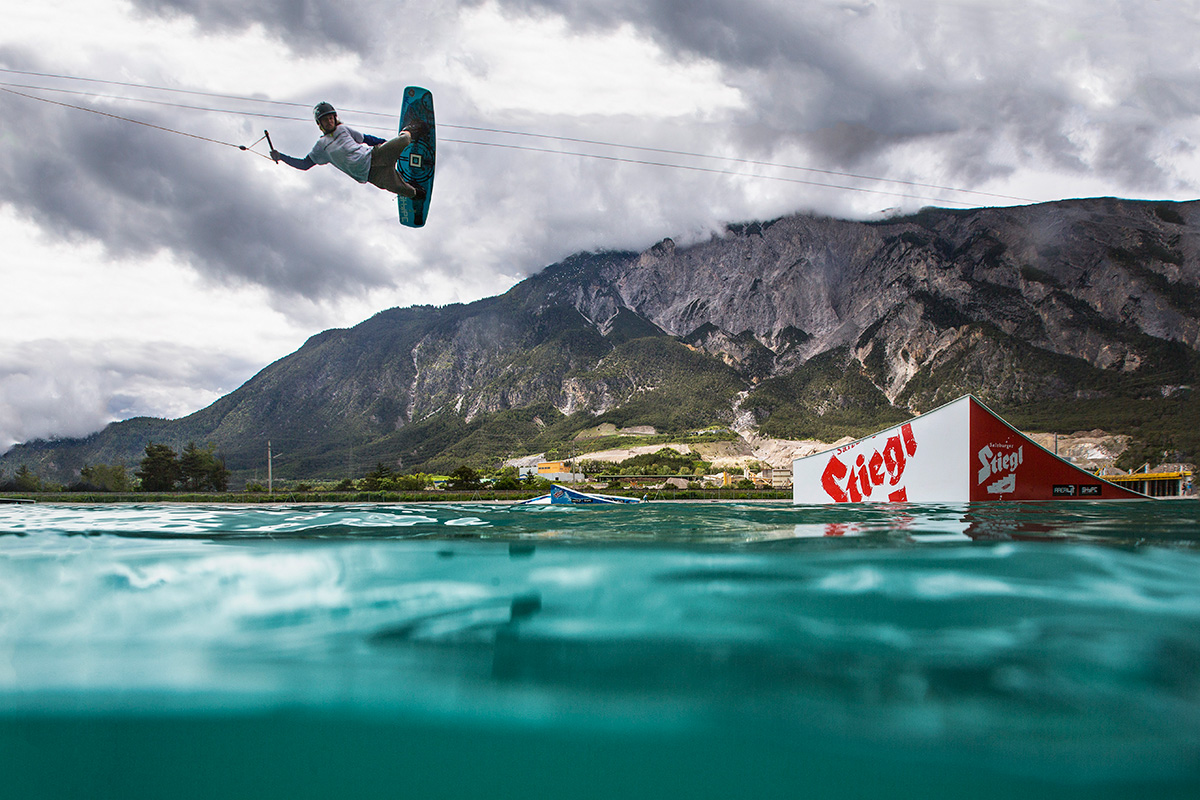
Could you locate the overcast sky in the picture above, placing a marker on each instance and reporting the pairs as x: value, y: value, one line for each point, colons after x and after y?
x: 147, y: 272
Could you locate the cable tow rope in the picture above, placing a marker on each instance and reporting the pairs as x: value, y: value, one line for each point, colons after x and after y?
x: 747, y: 161
x: 265, y: 135
x: 899, y: 182
x: 712, y: 171
x: 136, y: 122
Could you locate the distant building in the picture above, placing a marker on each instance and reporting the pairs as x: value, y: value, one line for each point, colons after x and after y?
x: 772, y: 478
x: 559, y: 472
x: 1166, y: 480
x: 722, y: 479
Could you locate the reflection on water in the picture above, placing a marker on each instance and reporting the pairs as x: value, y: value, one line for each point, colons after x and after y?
x: 1171, y: 523
x: 1040, y: 648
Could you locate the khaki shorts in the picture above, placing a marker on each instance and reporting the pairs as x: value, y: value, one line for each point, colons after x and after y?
x: 383, y: 167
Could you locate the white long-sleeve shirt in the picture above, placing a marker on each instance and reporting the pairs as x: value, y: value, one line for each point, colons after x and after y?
x: 347, y: 150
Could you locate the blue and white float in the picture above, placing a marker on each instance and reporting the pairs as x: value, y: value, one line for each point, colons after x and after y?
x: 562, y: 496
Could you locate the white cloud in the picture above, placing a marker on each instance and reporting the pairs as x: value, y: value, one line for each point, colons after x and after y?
x: 556, y: 71
x: 71, y: 387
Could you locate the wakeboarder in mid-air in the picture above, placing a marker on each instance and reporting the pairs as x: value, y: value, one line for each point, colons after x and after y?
x: 366, y: 158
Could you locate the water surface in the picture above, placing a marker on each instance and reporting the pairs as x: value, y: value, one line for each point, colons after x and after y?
x: 671, y: 649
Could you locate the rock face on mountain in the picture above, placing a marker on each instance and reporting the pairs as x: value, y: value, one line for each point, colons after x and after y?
x: 1091, y: 280
x: 795, y: 327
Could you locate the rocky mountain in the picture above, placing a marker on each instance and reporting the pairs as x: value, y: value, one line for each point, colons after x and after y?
x: 1071, y: 315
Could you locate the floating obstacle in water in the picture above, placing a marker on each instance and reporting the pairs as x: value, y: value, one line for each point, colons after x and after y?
x: 960, y: 452
x: 562, y: 496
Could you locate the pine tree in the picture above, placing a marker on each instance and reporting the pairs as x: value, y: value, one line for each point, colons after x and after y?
x: 201, y: 470
x: 27, y: 481
x: 159, y: 471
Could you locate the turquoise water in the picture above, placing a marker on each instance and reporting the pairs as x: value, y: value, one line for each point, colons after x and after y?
x: 668, y: 650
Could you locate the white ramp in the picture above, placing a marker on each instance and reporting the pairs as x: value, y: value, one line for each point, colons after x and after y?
x: 958, y: 453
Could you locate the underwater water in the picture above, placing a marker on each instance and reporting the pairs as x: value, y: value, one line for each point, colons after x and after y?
x: 664, y: 650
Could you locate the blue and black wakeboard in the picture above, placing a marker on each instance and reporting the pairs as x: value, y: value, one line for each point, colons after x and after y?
x: 417, y: 161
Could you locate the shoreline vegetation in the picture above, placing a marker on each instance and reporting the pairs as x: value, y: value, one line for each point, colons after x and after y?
x: 199, y: 475
x: 431, y: 496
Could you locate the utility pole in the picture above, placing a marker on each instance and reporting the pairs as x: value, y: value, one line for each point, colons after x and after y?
x: 270, y: 475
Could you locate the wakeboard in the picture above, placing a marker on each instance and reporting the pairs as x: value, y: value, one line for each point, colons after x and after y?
x: 417, y: 161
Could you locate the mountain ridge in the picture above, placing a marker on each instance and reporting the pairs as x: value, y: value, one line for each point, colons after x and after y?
x: 792, y: 328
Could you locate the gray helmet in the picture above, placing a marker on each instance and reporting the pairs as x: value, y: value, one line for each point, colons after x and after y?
x: 322, y: 109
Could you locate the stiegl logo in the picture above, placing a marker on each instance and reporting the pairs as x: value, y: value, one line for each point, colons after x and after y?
x: 1002, y: 464
x: 851, y: 484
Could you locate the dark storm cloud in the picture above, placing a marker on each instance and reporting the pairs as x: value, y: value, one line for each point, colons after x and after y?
x: 852, y: 80
x: 142, y: 191
x: 977, y: 90
x: 303, y: 24
x: 805, y: 65
x: 752, y: 33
